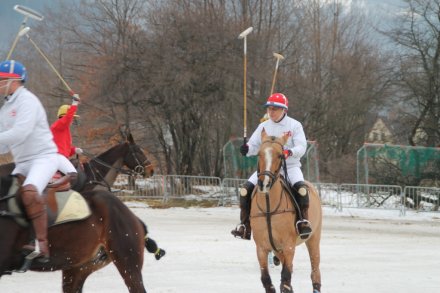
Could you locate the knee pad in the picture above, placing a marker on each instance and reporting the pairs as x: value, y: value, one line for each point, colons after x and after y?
x: 302, y: 192
x: 246, y: 189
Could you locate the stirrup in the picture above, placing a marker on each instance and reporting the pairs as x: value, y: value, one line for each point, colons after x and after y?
x: 305, y: 230
x: 241, y: 232
x: 35, y: 253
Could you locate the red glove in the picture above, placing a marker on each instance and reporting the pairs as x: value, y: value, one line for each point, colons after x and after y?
x: 287, y: 153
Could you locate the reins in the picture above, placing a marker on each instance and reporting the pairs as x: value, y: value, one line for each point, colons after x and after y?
x: 99, y: 178
x: 274, y: 177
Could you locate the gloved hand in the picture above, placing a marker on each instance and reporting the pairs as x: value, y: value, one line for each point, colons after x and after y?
x: 244, y: 149
x: 78, y: 151
x: 75, y: 99
x: 287, y: 153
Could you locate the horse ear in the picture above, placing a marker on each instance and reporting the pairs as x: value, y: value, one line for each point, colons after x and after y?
x: 130, y: 138
x: 263, y: 134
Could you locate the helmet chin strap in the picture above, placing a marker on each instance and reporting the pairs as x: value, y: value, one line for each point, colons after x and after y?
x: 281, y: 117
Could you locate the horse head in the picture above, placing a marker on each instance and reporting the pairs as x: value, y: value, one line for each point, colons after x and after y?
x: 136, y: 160
x: 270, y: 159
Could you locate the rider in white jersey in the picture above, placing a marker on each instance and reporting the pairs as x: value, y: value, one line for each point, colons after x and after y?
x: 24, y: 131
x: 278, y: 124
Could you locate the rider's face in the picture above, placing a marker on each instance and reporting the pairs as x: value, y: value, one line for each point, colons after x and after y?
x: 275, y: 113
x: 5, y: 86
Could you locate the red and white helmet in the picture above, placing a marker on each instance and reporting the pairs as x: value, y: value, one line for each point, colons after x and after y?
x: 277, y: 100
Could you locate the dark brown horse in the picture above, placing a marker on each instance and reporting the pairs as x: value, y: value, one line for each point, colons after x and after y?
x: 101, y: 170
x: 273, y: 219
x: 112, y: 233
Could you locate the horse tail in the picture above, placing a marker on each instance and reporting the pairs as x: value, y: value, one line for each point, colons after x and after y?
x: 150, y: 244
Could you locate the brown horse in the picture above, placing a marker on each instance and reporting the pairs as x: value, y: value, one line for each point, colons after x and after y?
x: 112, y: 233
x: 101, y: 170
x: 273, y: 218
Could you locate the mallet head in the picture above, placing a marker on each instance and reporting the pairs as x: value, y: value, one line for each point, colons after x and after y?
x: 278, y: 56
x: 23, y: 31
x: 245, y: 32
x: 27, y: 12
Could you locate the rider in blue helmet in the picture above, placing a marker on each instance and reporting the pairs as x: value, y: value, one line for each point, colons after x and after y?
x: 25, y: 132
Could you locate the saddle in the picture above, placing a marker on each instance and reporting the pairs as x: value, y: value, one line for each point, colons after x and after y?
x: 63, y: 204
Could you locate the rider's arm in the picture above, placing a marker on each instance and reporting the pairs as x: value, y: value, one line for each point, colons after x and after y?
x: 299, y: 141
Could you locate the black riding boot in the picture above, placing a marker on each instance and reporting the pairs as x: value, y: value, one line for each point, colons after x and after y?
x: 243, y: 230
x: 302, y: 194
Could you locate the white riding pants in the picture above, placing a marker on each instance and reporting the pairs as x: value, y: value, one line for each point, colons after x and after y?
x: 40, y: 171
x: 295, y: 174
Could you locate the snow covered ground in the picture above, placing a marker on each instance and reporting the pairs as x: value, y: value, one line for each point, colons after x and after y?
x: 362, y: 251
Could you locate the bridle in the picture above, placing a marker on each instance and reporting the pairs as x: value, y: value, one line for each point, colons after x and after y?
x: 137, y: 170
x: 275, y: 174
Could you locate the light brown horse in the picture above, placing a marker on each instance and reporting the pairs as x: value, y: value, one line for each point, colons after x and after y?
x: 273, y: 218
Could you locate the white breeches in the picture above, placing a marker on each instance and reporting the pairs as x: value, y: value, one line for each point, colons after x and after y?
x: 40, y: 171
x: 295, y: 174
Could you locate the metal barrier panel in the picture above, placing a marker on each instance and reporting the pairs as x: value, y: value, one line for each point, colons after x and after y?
x: 329, y: 194
x: 371, y: 196
x: 226, y: 191
x: 231, y: 190
x: 422, y: 199
x: 193, y: 187
x: 153, y: 187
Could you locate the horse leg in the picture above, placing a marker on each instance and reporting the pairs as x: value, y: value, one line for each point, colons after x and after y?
x: 73, y: 279
x: 130, y: 270
x: 265, y: 277
x: 286, y: 272
x: 128, y: 256
x: 315, y: 258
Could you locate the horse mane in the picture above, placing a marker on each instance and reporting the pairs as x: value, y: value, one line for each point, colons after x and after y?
x: 108, y: 155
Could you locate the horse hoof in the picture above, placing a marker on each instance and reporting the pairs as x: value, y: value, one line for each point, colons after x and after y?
x: 158, y: 255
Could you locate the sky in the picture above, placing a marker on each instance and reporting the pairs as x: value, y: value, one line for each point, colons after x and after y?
x: 362, y: 251
x: 10, y: 20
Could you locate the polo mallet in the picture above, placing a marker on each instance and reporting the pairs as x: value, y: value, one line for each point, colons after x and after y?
x: 71, y: 92
x: 243, y: 36
x: 278, y: 57
x: 28, y: 13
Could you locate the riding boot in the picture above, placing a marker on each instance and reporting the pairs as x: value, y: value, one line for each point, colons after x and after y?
x: 303, y: 225
x: 36, y: 211
x: 243, y: 230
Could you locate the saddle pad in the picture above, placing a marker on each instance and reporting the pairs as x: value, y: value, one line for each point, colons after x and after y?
x: 71, y: 207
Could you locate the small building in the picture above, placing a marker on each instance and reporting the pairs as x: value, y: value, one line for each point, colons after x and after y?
x: 380, y: 133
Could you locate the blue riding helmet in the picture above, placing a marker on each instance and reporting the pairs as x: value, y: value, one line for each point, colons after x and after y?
x: 11, y: 69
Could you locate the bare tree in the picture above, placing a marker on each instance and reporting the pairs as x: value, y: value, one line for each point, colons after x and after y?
x: 417, y: 35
